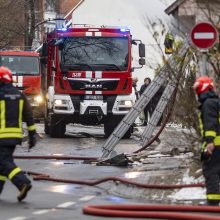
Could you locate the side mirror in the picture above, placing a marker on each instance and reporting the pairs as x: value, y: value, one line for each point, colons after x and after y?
x: 141, y: 50
x: 142, y: 61
x: 134, y: 42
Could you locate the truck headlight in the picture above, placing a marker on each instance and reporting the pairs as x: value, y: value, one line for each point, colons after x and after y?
x: 126, y: 103
x: 60, y: 102
x: 38, y: 99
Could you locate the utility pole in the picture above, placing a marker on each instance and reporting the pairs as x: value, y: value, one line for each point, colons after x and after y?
x: 204, y: 69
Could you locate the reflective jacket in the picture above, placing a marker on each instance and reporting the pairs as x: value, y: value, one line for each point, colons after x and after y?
x: 209, y: 118
x: 14, y: 108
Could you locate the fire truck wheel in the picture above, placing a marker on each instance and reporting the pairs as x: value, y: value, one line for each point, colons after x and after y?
x: 46, y: 127
x: 108, y: 129
x: 57, y: 128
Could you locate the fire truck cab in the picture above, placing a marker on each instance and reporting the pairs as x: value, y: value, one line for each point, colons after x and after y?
x: 25, y: 67
x: 88, y: 77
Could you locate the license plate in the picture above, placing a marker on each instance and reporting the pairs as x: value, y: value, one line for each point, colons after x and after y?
x: 93, y: 97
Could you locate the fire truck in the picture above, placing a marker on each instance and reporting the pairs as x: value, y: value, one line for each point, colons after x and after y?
x: 88, y: 77
x: 25, y: 67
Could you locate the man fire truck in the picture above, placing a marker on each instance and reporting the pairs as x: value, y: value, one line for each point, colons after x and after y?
x: 25, y: 67
x: 88, y: 77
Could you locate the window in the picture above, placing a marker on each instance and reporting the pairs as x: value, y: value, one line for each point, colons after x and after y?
x: 21, y: 65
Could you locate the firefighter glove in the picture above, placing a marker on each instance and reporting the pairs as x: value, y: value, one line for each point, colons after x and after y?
x: 209, y: 149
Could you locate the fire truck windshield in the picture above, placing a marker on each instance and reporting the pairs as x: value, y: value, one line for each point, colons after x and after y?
x: 94, y: 53
x: 21, y: 65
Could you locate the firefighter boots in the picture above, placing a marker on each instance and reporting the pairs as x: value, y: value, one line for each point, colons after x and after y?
x: 23, y: 191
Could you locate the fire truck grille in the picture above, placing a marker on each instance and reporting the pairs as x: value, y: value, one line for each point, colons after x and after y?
x: 103, y: 85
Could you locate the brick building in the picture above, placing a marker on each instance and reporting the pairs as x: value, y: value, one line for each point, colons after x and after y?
x: 51, y: 9
x: 16, y: 20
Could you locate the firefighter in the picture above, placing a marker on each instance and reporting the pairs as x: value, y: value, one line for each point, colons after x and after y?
x: 168, y: 43
x: 210, y: 131
x: 14, y: 108
x: 147, y: 108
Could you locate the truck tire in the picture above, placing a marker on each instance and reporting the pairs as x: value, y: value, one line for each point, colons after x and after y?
x: 112, y: 123
x: 108, y: 129
x: 46, y: 126
x: 57, y: 127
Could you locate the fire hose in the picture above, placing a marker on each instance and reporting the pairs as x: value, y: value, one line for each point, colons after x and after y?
x: 155, y: 137
x: 54, y: 157
x: 170, y: 110
x: 153, y: 211
x: 139, y: 211
x: 41, y: 176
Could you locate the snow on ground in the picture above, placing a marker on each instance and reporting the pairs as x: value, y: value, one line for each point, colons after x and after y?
x: 189, y: 193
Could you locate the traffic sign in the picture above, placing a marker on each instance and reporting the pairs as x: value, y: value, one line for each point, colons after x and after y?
x: 204, y: 35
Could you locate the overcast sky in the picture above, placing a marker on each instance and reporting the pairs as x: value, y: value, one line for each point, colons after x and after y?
x: 128, y: 13
x: 153, y: 8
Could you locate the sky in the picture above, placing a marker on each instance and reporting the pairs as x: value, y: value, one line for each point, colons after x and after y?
x: 131, y: 14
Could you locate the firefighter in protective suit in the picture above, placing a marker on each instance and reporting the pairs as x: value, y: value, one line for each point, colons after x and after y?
x: 209, y: 119
x: 14, y: 108
x: 168, y: 43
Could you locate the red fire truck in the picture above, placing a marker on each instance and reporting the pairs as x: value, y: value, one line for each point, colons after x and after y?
x: 25, y: 67
x: 88, y: 77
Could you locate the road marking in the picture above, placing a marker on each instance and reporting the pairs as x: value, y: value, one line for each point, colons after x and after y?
x: 66, y: 204
x: 86, y: 198
x: 43, y: 211
x: 18, y: 218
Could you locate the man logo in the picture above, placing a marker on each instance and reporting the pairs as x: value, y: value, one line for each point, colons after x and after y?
x: 93, y: 80
x: 93, y: 86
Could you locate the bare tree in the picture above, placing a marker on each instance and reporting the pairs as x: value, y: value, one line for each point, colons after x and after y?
x: 30, y: 20
x: 17, y: 22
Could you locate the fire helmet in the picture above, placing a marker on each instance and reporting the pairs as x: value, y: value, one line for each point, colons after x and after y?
x: 5, y: 75
x: 203, y: 84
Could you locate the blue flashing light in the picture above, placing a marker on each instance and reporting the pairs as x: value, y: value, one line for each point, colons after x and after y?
x: 124, y: 29
x: 62, y: 29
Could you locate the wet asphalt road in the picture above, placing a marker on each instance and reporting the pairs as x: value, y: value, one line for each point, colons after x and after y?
x: 50, y: 200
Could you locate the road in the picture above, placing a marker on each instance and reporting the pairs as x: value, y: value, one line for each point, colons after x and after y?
x: 168, y: 162
x: 50, y: 200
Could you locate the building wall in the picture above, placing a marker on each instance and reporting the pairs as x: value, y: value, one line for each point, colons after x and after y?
x: 62, y: 7
x: 208, y: 10
x: 191, y: 12
x: 195, y: 11
x: 187, y: 8
x: 67, y: 5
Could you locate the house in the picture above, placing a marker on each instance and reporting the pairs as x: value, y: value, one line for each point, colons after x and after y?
x: 20, y: 20
x: 187, y: 13
x: 51, y: 9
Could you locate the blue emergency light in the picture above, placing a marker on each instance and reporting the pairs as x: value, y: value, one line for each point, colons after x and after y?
x: 62, y: 29
x: 124, y: 29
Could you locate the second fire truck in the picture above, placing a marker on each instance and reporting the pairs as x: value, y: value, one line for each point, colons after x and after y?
x: 25, y: 67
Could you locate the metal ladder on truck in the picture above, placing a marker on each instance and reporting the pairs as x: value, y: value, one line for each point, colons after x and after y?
x: 161, y: 79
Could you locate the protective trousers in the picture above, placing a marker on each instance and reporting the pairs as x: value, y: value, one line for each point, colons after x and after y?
x: 8, y: 169
x: 211, y: 172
